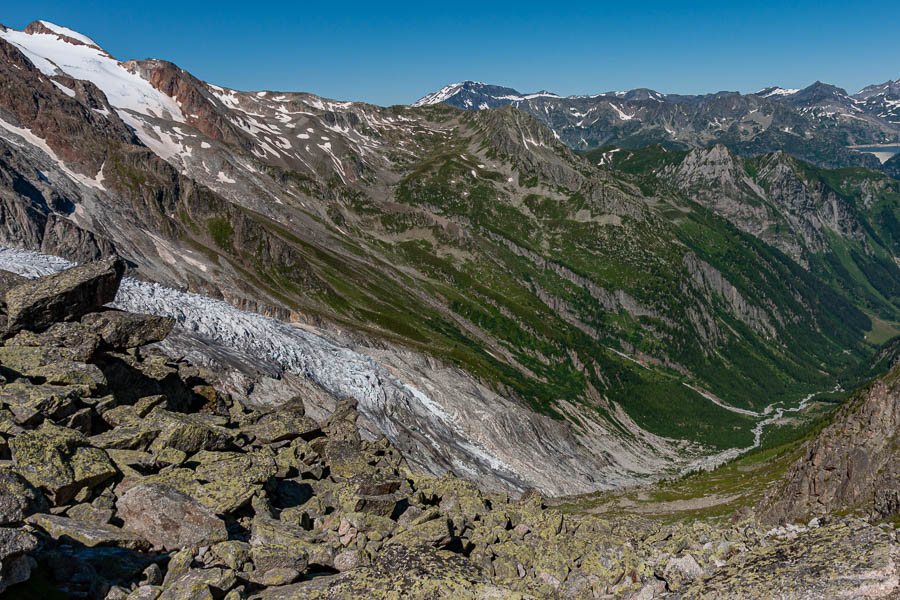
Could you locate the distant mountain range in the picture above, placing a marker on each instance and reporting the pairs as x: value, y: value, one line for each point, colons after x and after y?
x: 819, y: 123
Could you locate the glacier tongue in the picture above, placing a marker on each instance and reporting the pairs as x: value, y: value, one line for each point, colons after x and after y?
x: 340, y: 371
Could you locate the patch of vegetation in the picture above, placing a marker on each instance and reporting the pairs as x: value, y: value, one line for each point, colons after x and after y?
x: 221, y: 232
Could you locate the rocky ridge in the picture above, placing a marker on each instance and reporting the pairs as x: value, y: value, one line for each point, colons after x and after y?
x: 839, y: 225
x: 127, y: 475
x: 852, y: 465
x: 816, y: 124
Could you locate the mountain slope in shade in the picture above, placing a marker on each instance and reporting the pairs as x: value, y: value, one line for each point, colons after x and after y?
x: 816, y: 124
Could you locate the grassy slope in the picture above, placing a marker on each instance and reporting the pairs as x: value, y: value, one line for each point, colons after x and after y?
x: 461, y: 293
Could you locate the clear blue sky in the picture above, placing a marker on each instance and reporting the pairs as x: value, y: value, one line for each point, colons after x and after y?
x: 389, y: 53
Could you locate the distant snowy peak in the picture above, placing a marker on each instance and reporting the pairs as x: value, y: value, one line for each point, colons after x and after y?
x: 776, y: 92
x: 478, y: 95
x: 888, y: 89
x: 449, y: 91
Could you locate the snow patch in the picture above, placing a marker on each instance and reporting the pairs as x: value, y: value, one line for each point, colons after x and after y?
x: 34, y: 140
x: 68, y: 92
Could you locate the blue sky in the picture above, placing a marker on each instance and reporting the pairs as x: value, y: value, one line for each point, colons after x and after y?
x: 389, y: 53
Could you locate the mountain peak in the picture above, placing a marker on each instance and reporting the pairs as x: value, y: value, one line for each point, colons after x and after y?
x: 479, y: 95
x: 64, y: 33
x: 57, y: 50
x: 465, y: 93
x: 775, y: 91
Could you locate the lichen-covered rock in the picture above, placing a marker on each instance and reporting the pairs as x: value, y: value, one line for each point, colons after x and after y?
x: 681, y: 570
x: 199, y: 584
x: 73, y: 335
x: 90, y: 513
x: 234, y: 553
x: 38, y: 303
x: 843, y: 559
x: 136, y: 437
x: 279, y: 426
x: 119, y: 329
x: 7, y: 282
x: 59, y: 461
x: 187, y: 433
x: 18, y: 498
x: 56, y: 366
x: 414, y: 573
x: 278, y: 545
x: 30, y: 404
x: 168, y: 518
x: 85, y: 533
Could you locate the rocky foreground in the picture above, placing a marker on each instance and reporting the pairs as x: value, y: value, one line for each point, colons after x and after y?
x: 127, y: 475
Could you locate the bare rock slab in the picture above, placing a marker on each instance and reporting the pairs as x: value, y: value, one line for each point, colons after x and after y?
x: 39, y: 303
x: 169, y: 518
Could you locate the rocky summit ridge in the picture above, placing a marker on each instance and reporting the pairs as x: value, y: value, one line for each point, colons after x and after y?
x: 128, y: 475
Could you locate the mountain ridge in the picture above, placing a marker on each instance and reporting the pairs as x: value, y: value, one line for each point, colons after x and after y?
x: 818, y: 123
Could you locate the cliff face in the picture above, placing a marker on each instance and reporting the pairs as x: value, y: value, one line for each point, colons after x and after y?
x: 854, y: 464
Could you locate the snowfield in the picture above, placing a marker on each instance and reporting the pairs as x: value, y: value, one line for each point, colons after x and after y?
x: 124, y: 90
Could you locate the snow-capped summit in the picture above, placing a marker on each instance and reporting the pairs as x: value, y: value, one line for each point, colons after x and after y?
x: 888, y: 89
x: 882, y: 99
x: 478, y: 95
x: 774, y: 92
x: 57, y: 50
x: 63, y: 32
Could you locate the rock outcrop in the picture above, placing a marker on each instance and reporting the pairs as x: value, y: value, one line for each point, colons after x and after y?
x: 852, y: 465
x: 65, y: 296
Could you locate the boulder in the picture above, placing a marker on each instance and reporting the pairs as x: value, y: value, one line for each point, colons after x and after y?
x: 59, y: 461
x: 68, y: 530
x: 186, y: 432
x: 56, y: 366
x: 65, y: 296
x: 345, y: 459
x: 169, y: 518
x: 8, y: 281
x: 119, y: 329
x: 199, y: 584
x: 18, y: 498
x: 234, y: 553
x: 72, y: 335
x: 278, y: 545
x: 681, y: 570
x: 90, y: 513
x: 280, y: 426
x: 126, y: 437
x: 232, y: 478
x: 15, y: 566
x: 30, y: 404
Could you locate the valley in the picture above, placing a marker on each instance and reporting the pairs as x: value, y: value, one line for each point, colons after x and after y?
x: 472, y: 335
